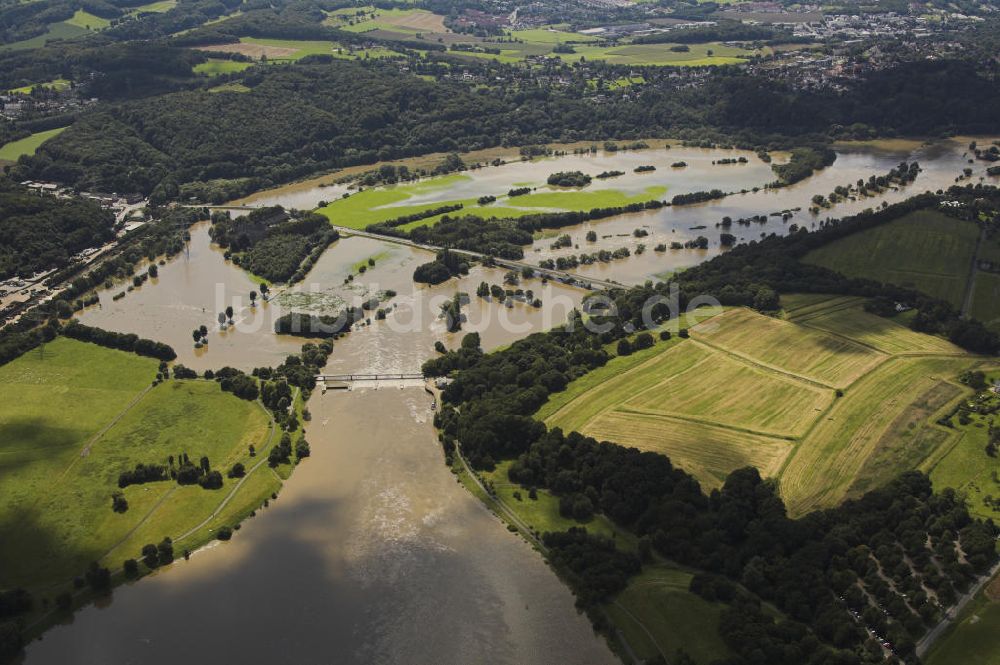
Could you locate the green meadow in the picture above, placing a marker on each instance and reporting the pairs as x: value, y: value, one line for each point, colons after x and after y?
x: 56, y: 84
x: 87, y: 21
x: 60, y: 30
x: 215, y: 67
x: 965, y: 467
x: 541, y: 42
x: 10, y: 152
x: 658, y: 616
x: 232, y: 86
x: 925, y: 250
x: 72, y: 418
x: 301, y: 48
x: 973, y: 639
x: 155, y: 7
x: 374, y: 205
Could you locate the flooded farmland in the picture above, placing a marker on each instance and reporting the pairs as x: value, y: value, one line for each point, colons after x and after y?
x: 372, y: 552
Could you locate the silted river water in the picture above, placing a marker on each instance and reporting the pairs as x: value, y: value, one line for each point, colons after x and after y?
x: 373, y: 553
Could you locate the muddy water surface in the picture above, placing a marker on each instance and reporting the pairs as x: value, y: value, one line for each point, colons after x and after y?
x: 373, y: 553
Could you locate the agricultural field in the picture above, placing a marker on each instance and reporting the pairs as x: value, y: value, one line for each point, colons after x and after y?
x: 411, y: 21
x: 815, y: 356
x: 57, y: 84
x: 830, y: 400
x: 60, y: 30
x: 924, y: 250
x: 844, y: 316
x: 155, y: 7
x: 671, y: 617
x: 215, y: 67
x: 82, y: 415
x: 374, y: 205
x: 288, y: 50
x: 540, y: 42
x: 698, y: 55
x: 986, y: 299
x: 10, y: 152
x: 87, y: 21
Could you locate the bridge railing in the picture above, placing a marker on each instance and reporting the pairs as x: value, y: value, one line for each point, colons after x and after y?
x: 370, y: 377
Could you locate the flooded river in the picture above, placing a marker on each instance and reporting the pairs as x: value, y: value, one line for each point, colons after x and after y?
x: 941, y: 161
x: 373, y: 553
x: 193, y: 287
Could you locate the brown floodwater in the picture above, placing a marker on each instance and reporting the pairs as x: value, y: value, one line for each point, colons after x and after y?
x: 193, y: 287
x: 942, y: 162
x: 373, y: 553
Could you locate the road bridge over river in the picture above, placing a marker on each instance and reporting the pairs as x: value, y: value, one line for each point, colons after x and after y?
x: 389, y: 379
x: 568, y: 278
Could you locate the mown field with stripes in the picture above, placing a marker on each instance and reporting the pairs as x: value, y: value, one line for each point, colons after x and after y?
x: 827, y: 398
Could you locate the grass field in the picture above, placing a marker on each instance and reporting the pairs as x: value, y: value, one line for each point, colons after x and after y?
x: 232, y: 86
x: 398, y: 20
x: 87, y: 21
x: 886, y: 414
x: 155, y: 7
x: 541, y: 41
x: 986, y: 299
x: 794, y: 349
x: 10, y: 152
x: 60, y: 30
x: 74, y: 416
x: 383, y: 203
x: 699, y: 55
x: 542, y: 514
x: 845, y: 317
x: 747, y: 389
x: 975, y: 639
x: 966, y: 467
x: 288, y: 50
x: 925, y: 250
x: 214, y: 67
x: 674, y: 617
x: 57, y: 84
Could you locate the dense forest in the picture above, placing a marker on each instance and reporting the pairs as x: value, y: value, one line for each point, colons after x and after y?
x: 39, y: 231
x: 302, y: 118
x: 876, y: 556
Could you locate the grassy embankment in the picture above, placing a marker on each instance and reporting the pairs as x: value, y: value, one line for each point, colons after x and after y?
x: 924, y: 250
x: 74, y: 416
